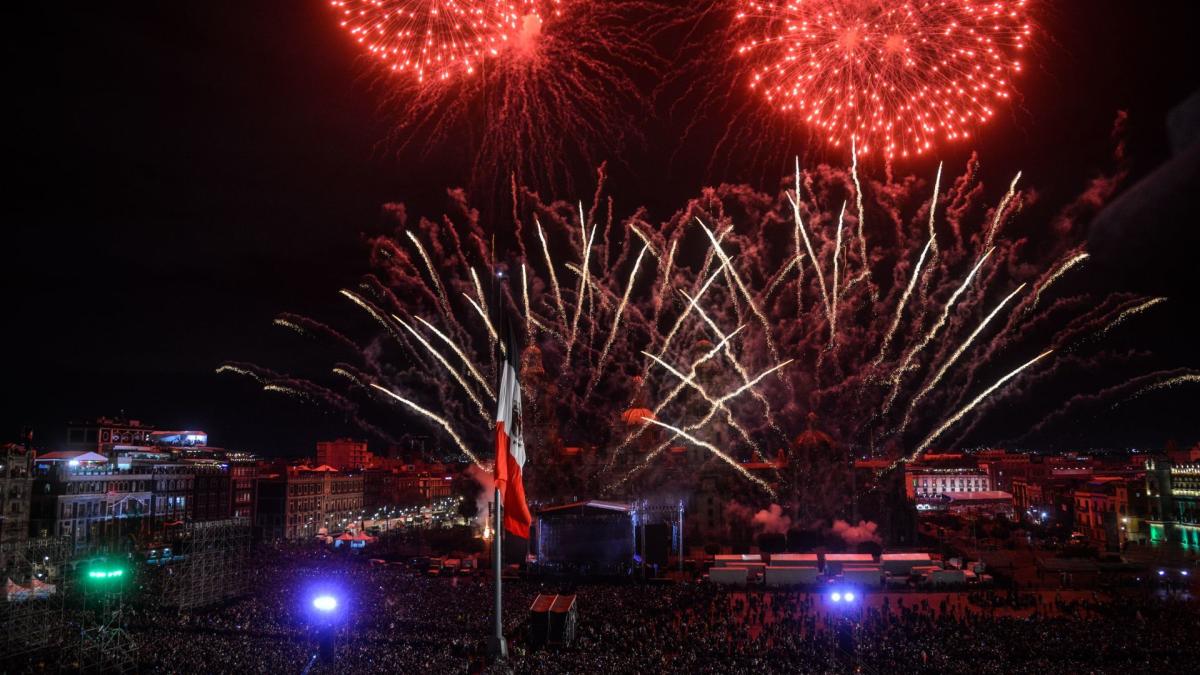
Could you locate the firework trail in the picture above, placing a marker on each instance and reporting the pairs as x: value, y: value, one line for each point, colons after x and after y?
x: 1120, y: 394
x: 717, y: 451
x: 1055, y: 276
x: 1130, y: 312
x: 953, y: 419
x: 626, y: 345
x: 949, y: 363
x: 446, y: 426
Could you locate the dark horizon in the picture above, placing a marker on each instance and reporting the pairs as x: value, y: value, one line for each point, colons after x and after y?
x: 186, y: 172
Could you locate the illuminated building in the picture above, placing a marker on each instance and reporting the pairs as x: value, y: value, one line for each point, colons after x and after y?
x: 941, y: 474
x: 1173, y: 495
x: 1106, y: 513
x: 100, y: 434
x: 90, y: 502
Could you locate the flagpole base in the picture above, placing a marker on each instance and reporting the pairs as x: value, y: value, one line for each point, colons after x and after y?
x: 497, y: 647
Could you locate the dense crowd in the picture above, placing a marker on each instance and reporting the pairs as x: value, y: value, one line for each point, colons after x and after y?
x: 398, y: 620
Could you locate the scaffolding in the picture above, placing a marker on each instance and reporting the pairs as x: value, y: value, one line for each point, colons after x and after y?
x: 208, y: 565
x: 101, y: 643
x: 38, y: 578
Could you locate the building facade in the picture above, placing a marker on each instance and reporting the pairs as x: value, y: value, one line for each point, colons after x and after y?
x: 1173, y: 504
x: 297, y: 503
x: 93, y: 504
x: 343, y: 454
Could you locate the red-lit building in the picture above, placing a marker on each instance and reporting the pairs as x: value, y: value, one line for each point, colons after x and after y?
x: 343, y: 454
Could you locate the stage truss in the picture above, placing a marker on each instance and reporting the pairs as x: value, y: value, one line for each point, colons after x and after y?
x: 213, y: 560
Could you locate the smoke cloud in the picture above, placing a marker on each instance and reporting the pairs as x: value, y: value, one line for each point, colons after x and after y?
x: 857, y: 534
x: 487, y: 486
x: 770, y: 520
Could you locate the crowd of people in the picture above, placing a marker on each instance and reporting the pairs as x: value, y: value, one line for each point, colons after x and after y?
x: 396, y: 619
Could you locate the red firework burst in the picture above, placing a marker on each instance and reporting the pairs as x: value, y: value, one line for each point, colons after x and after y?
x: 430, y: 39
x: 893, y: 76
x: 550, y: 75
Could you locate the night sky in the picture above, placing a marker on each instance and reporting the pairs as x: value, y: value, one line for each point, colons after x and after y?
x: 180, y: 172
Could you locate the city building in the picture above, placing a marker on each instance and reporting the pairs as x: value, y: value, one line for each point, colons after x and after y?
x: 98, y: 435
x: 343, y: 454
x: 211, y: 491
x: 1003, y: 466
x: 1102, y: 512
x: 925, y: 480
x: 1173, y: 508
x: 172, y: 492
x: 299, y: 502
x: 88, y: 500
x: 243, y: 475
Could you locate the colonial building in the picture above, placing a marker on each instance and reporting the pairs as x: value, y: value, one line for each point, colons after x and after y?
x: 93, y: 503
x: 301, y: 502
x: 1173, y: 495
x: 1106, y: 513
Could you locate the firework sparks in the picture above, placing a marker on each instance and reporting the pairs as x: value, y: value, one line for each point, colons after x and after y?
x: 802, y: 233
x: 462, y: 356
x: 557, y: 75
x: 933, y: 331
x: 948, y: 363
x: 612, y: 334
x: 1130, y: 312
x: 439, y: 420
x: 1169, y: 383
x: 1000, y: 210
x: 558, y: 301
x: 628, y: 341
x: 741, y: 286
x: 891, y: 77
x: 1054, y: 276
x: 238, y: 370
x: 953, y: 419
x: 717, y: 452
x: 449, y: 368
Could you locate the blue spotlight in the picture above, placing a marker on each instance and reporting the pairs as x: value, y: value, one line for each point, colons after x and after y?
x: 325, y: 603
x: 835, y: 596
x: 849, y: 596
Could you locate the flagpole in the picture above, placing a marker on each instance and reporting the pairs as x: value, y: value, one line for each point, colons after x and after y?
x: 497, y: 646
